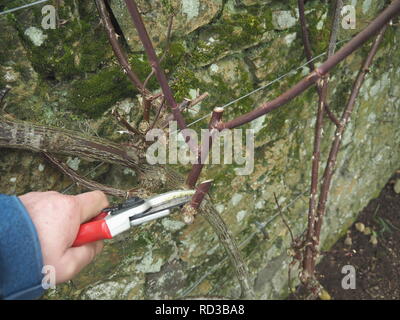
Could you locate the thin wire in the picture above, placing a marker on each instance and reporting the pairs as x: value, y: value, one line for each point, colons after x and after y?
x: 263, y: 87
x: 258, y: 89
x: 89, y: 172
x: 23, y: 7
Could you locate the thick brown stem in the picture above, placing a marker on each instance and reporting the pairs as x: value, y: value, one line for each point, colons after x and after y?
x: 201, y: 191
x: 314, y: 175
x: 166, y: 49
x: 146, y: 110
x: 28, y: 136
x: 198, y: 99
x: 190, y: 209
x: 203, y: 152
x: 311, y: 250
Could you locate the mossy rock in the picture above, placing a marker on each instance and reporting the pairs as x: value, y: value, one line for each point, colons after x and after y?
x: 100, y: 91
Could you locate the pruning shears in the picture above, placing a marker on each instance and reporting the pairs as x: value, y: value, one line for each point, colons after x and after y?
x: 135, y: 211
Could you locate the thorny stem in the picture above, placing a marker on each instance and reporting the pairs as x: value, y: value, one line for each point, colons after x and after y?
x: 331, y: 162
x: 374, y: 27
x: 123, y: 61
x: 322, y: 87
x: 166, y: 49
x: 315, y: 170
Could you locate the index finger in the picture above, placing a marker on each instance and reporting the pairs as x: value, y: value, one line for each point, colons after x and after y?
x: 91, y: 204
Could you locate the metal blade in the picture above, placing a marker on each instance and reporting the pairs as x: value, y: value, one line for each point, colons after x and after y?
x: 165, y: 201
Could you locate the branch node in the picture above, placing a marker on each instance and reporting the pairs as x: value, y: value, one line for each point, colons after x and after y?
x: 190, y: 209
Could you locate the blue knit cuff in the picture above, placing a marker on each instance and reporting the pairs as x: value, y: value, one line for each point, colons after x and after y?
x: 21, y: 259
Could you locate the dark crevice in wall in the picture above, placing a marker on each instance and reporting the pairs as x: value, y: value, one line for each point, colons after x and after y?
x: 117, y: 27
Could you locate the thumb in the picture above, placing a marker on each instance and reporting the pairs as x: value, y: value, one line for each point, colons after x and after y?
x: 91, y: 203
x: 76, y: 258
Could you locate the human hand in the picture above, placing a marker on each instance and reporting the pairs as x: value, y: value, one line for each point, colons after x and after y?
x: 57, y: 219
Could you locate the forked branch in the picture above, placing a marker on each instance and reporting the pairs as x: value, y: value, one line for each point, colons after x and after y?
x: 312, y: 246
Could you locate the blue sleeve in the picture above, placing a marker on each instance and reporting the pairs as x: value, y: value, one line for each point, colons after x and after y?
x: 21, y: 259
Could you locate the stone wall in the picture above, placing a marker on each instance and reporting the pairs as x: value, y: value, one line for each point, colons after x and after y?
x: 68, y: 78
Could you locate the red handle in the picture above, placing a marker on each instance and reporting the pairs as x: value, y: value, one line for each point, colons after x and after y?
x: 92, y: 231
x: 100, y: 216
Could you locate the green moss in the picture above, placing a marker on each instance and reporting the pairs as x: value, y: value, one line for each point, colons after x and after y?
x: 175, y: 54
x: 391, y: 37
x: 108, y: 128
x: 167, y: 7
x: 320, y: 38
x: 184, y: 80
x: 224, y: 92
x: 203, y: 53
x: 72, y: 49
x: 100, y: 91
x: 141, y: 66
x: 239, y: 30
